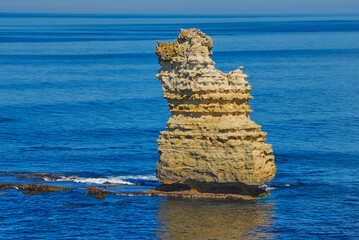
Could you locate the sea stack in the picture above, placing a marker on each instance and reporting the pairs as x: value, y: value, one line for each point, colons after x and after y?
x: 210, y: 143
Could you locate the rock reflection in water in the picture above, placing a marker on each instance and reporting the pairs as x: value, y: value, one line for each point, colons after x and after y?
x: 213, y: 219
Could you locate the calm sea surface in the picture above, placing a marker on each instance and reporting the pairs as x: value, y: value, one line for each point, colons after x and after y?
x: 78, y: 96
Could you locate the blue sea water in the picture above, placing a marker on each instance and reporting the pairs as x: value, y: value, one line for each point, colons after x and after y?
x: 78, y: 96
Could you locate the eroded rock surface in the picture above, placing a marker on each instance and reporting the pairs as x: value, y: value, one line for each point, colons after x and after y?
x: 210, y: 140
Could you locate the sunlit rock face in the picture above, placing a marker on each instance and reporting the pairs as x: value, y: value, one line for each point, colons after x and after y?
x: 210, y: 139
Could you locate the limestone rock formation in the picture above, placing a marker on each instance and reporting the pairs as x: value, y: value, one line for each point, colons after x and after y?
x: 210, y: 140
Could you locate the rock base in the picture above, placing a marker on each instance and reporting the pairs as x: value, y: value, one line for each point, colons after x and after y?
x: 195, y: 194
x: 193, y: 189
x: 180, y: 191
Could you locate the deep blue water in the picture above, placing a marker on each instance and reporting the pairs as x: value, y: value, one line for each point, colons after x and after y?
x: 78, y: 96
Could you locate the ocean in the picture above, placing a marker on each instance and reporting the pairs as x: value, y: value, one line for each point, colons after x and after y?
x: 79, y: 97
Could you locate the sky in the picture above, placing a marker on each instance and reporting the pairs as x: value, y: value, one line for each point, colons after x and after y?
x: 180, y: 6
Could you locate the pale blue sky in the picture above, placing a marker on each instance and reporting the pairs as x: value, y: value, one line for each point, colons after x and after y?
x: 180, y: 6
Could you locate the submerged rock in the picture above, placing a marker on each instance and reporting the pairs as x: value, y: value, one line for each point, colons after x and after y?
x: 178, y: 191
x: 97, y: 191
x: 33, y: 188
x: 210, y: 142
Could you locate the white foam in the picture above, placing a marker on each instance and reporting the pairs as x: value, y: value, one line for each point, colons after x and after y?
x: 105, y: 180
x: 267, y: 188
x: 140, y: 177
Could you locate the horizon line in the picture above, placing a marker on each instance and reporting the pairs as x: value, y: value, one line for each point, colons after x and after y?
x: 209, y: 15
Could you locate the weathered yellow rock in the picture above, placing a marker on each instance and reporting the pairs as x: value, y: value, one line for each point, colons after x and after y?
x: 210, y: 139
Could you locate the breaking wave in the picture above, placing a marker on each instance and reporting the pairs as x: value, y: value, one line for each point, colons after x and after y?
x: 269, y: 187
x: 123, y: 180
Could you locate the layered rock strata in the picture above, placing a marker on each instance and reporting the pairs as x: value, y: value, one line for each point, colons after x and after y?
x: 210, y: 141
